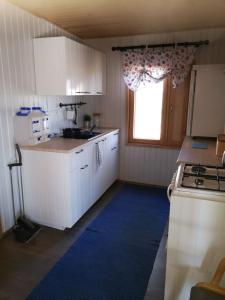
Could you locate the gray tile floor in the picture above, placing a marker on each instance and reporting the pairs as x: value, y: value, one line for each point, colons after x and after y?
x: 22, y: 266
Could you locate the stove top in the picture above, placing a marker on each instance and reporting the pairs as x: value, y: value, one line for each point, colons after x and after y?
x: 204, y: 177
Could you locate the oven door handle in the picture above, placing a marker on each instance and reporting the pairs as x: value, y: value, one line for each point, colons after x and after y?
x: 169, y: 191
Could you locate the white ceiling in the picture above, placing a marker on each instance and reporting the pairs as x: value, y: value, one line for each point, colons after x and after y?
x: 107, y: 18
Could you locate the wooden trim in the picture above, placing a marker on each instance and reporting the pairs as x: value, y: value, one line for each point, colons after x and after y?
x: 165, y: 110
x: 137, y: 144
x: 130, y: 120
x: 130, y: 114
x: 166, y: 140
x: 219, y: 273
x: 184, y: 113
x: 142, y: 184
x: 213, y: 285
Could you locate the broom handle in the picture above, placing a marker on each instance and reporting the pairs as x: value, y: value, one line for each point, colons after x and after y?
x: 12, y: 192
x: 12, y: 165
x: 21, y: 179
x: 22, y: 195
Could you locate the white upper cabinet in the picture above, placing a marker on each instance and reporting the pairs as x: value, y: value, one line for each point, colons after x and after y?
x: 65, y: 67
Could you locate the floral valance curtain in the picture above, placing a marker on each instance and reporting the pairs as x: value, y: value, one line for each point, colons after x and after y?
x: 143, y: 66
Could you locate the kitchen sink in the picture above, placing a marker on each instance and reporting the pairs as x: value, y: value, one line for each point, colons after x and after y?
x: 77, y: 133
x: 86, y: 135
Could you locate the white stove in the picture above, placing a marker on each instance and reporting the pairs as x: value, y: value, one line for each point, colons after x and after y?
x: 198, y: 181
x: 196, y: 240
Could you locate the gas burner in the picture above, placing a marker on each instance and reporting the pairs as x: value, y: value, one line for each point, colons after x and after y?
x: 199, y: 181
x: 198, y: 169
x: 203, y: 177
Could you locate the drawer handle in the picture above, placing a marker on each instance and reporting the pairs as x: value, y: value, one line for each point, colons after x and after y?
x: 99, y: 93
x: 114, y: 148
x: 116, y: 133
x: 80, y: 151
x: 84, y: 167
x: 101, y: 141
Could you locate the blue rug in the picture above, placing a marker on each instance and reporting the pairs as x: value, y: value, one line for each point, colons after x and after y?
x: 114, y: 257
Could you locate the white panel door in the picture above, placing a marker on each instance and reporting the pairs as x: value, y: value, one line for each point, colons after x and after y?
x: 91, y: 71
x: 50, y: 66
x: 74, y: 66
x: 99, y: 178
x: 100, y: 72
x: 83, y: 70
x: 76, y: 208
x: 81, y: 184
x: 209, y: 101
x: 114, y: 163
x: 112, y: 157
x: 85, y: 187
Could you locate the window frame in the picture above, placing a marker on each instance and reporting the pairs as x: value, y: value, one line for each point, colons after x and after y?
x: 167, y: 118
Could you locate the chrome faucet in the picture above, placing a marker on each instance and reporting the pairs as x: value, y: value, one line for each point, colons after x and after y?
x: 92, y: 128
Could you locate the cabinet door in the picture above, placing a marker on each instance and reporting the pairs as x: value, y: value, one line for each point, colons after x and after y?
x: 99, y: 173
x: 81, y: 184
x: 76, y: 196
x: 75, y: 66
x: 114, y: 163
x: 51, y: 66
x: 83, y: 67
x: 91, y: 71
x: 113, y: 157
x: 85, y: 187
x: 100, y: 73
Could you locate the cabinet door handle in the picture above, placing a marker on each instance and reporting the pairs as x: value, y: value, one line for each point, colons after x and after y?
x: 99, y: 93
x: 116, y: 133
x: 114, y: 148
x: 83, y: 92
x: 84, y: 167
x: 80, y: 151
x: 103, y: 140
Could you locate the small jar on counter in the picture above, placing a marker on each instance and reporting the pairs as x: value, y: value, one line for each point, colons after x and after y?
x: 96, y: 119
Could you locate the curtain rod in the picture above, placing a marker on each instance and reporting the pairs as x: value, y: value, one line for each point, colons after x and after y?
x: 186, y: 44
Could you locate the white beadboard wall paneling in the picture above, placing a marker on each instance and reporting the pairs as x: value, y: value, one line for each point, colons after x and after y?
x: 142, y: 164
x: 17, y: 88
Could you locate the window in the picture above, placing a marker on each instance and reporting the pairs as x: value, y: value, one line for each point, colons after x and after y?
x: 157, y: 114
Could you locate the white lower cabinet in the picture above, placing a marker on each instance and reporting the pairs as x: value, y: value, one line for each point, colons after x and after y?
x: 107, y: 172
x: 113, y: 157
x: 99, y: 179
x: 81, y: 185
x: 60, y: 187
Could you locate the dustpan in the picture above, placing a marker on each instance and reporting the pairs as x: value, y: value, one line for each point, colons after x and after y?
x: 24, y: 229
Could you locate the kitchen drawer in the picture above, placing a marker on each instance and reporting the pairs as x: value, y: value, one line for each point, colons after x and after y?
x: 80, y: 157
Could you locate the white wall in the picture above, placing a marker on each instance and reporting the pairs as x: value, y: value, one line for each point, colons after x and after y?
x: 17, y: 87
x: 141, y: 164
